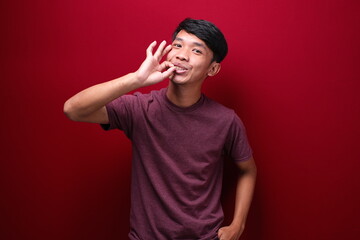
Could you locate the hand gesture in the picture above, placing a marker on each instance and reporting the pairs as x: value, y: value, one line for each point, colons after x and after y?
x: 151, y: 71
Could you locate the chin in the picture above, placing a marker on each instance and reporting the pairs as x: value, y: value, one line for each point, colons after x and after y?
x: 178, y: 80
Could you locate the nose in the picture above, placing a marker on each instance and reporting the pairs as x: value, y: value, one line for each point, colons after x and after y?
x: 182, y: 55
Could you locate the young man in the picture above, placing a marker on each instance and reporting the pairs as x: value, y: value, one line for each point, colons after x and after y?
x: 180, y: 138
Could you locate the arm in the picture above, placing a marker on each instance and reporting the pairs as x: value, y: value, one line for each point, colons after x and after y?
x: 244, y: 192
x: 89, y: 104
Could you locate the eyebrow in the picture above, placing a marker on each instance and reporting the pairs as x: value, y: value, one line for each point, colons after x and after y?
x: 194, y: 43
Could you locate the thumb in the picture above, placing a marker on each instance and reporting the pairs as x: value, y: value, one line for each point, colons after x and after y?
x: 220, y: 232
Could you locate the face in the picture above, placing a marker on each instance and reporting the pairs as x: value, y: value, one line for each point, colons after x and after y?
x: 192, y: 58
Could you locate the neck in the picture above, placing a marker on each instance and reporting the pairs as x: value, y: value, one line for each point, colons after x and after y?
x: 183, y: 96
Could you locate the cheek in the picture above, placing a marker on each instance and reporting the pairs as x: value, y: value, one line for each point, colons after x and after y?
x: 170, y: 55
x: 200, y: 66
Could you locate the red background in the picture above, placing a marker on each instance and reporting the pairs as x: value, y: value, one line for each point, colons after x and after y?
x: 292, y: 74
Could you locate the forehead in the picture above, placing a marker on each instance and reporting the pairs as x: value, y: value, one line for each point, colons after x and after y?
x: 189, y: 38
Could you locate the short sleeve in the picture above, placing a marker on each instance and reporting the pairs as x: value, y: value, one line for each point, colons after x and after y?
x: 237, y: 146
x: 120, y: 114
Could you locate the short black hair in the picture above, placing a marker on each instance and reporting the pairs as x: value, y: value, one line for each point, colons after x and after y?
x: 207, y: 32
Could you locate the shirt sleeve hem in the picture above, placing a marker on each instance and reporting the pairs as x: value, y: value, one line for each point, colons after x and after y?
x: 243, y: 159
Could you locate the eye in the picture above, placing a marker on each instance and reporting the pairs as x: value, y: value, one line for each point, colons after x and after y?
x: 176, y: 45
x: 197, y: 51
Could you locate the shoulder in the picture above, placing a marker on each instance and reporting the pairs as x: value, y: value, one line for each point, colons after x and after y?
x: 136, y: 99
x: 225, y: 115
x: 219, y: 109
x: 150, y: 96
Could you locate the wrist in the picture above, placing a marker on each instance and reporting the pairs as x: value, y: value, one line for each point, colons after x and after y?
x: 129, y: 82
x: 238, y: 225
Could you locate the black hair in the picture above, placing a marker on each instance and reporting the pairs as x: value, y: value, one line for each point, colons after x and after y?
x: 207, y: 32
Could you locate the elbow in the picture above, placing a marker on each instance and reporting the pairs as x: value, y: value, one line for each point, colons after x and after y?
x: 70, y: 111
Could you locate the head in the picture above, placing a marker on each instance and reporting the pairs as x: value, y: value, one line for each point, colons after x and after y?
x: 198, y: 47
x: 207, y: 32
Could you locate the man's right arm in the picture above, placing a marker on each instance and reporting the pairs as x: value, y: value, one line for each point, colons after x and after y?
x: 89, y: 104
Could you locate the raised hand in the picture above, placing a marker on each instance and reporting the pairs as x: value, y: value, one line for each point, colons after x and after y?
x: 89, y: 104
x: 151, y: 71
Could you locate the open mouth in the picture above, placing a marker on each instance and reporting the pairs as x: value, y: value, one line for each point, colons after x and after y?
x: 179, y: 69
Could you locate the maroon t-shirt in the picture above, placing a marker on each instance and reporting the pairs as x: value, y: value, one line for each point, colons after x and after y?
x: 177, y: 163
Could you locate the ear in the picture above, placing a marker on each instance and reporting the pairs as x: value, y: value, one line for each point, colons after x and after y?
x: 214, y: 69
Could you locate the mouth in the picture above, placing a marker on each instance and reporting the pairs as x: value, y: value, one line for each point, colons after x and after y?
x: 180, y: 70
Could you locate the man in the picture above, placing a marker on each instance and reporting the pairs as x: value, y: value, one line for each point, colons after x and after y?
x: 180, y: 138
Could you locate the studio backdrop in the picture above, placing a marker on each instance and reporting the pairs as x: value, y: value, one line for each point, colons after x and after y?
x: 292, y: 75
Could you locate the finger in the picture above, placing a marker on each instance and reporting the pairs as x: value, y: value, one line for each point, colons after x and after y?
x: 158, y: 54
x: 150, y: 49
x: 165, y: 65
x: 168, y: 72
x: 220, y: 232
x: 166, y: 50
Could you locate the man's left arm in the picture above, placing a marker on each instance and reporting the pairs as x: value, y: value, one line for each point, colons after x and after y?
x: 244, y: 193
